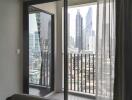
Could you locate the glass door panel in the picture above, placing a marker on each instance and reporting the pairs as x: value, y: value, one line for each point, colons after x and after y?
x: 41, y: 56
x: 81, y: 49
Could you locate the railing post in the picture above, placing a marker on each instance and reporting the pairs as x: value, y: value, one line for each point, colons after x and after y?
x: 81, y: 74
x: 79, y: 65
x: 78, y: 71
x: 47, y: 70
x: 85, y: 73
x: 93, y: 73
x: 89, y: 73
x: 71, y: 71
x: 74, y: 71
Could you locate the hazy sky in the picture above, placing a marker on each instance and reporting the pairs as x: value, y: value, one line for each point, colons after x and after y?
x: 32, y: 23
x: 83, y: 10
x: 72, y: 11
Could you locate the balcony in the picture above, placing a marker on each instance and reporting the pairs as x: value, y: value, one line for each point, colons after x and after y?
x: 82, y: 73
x: 81, y: 76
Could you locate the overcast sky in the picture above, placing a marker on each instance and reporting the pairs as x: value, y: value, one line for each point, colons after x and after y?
x: 72, y: 11
x: 32, y: 23
x: 83, y: 10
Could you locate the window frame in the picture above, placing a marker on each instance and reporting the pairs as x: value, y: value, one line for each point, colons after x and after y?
x: 26, y: 4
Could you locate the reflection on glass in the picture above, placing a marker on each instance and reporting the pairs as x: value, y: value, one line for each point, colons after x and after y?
x: 39, y: 48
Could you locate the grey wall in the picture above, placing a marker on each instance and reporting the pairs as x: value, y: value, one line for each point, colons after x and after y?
x: 10, y: 41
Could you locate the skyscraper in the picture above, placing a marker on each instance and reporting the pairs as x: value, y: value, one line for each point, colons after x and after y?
x: 37, y: 42
x: 88, y: 30
x: 79, y: 31
x: 49, y: 36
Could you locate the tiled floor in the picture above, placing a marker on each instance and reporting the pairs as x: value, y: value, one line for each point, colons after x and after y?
x: 60, y: 96
x: 38, y: 92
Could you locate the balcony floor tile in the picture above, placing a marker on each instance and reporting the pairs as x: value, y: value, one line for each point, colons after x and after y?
x: 60, y: 96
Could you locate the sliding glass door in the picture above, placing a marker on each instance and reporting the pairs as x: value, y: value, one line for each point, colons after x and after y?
x: 41, y: 57
x: 80, y: 48
x: 89, y: 49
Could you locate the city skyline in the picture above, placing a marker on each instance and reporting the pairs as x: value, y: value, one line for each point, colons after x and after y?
x: 83, y: 31
x: 39, y: 48
x: 83, y: 11
x: 79, y: 31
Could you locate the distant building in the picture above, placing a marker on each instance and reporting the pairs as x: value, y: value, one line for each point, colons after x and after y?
x: 71, y: 42
x: 79, y: 31
x: 88, y: 30
x: 31, y: 47
x: 44, y: 29
x: 89, y: 35
x: 49, y: 37
x: 37, y: 42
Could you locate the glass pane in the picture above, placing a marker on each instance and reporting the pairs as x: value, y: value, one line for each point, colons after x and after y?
x: 45, y: 31
x: 39, y: 47
x: 81, y: 50
x: 40, y: 52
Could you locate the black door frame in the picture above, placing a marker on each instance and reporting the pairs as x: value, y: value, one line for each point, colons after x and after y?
x: 36, y: 10
x: 65, y: 49
x: 26, y: 4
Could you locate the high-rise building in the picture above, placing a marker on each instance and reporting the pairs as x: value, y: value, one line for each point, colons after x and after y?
x: 37, y: 42
x: 79, y: 31
x: 44, y: 29
x: 49, y: 36
x: 31, y: 47
x: 31, y: 42
x: 88, y: 30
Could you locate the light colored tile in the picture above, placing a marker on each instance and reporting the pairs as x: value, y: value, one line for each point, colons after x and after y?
x: 60, y: 96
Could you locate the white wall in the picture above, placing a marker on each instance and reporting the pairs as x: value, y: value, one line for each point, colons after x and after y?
x: 10, y: 40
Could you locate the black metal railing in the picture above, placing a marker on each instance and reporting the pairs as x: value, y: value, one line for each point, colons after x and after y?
x: 81, y: 73
x: 39, y: 73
